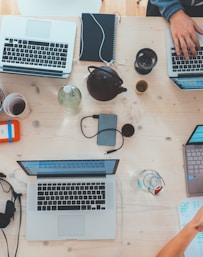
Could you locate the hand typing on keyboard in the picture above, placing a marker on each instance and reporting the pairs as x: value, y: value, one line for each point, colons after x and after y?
x: 184, y: 32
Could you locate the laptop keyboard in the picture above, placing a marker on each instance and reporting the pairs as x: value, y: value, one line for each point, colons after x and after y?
x: 46, y: 54
x: 71, y: 196
x: 194, y: 64
x: 194, y: 160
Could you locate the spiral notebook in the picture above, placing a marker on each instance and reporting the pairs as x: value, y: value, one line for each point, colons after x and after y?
x: 98, y: 34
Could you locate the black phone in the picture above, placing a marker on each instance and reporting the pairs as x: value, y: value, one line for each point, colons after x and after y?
x: 107, y: 126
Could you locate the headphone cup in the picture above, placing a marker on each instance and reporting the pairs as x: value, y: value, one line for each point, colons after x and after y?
x: 9, y: 213
x: 4, y: 220
x: 10, y: 209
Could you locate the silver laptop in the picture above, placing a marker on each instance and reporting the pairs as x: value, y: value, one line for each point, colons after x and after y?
x: 193, y: 162
x: 71, y: 199
x: 187, y: 75
x: 36, y: 47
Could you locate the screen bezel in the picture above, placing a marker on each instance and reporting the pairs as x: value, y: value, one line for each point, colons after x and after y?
x: 20, y: 162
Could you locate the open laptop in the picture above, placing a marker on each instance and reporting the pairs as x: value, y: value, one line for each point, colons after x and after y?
x: 71, y: 199
x: 36, y: 47
x: 187, y: 75
x: 193, y: 162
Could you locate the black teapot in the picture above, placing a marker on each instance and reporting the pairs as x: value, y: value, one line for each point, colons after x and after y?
x: 103, y: 83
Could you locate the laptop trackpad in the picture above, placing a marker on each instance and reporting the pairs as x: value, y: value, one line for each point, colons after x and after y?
x: 38, y: 28
x: 69, y: 225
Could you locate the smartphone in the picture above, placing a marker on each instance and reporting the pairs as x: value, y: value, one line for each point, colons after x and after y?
x: 9, y: 131
x: 107, y: 126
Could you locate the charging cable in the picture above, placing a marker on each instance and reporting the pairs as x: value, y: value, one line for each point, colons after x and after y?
x: 96, y: 116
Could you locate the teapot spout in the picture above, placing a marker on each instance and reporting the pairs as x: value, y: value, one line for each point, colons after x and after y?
x: 121, y: 89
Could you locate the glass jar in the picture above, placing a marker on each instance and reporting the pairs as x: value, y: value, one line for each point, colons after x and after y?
x: 151, y: 181
x: 69, y: 97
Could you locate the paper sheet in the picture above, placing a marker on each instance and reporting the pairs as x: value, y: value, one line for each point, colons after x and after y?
x: 187, y: 209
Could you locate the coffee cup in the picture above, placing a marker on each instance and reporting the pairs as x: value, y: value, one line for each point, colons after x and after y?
x: 141, y: 86
x: 145, y: 61
x: 16, y: 106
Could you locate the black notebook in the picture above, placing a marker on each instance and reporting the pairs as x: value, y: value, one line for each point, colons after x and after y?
x: 97, y: 45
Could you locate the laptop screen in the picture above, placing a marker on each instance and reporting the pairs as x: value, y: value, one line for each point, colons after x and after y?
x: 197, y: 135
x: 69, y: 167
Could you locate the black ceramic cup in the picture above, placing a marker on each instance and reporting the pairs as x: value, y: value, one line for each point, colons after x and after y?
x: 145, y: 61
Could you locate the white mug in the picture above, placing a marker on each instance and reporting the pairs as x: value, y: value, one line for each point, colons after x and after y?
x: 15, y: 105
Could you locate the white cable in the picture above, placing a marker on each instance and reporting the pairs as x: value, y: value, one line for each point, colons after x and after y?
x: 122, y: 214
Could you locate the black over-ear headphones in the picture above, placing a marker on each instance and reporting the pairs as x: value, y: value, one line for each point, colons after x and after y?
x: 10, y: 208
x: 10, y: 204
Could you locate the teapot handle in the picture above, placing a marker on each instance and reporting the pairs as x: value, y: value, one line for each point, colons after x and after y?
x: 112, y: 74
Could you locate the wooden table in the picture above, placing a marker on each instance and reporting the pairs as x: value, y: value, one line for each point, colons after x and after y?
x: 163, y: 118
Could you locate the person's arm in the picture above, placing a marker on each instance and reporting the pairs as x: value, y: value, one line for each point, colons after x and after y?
x: 183, y: 29
x: 184, y: 32
x: 167, y: 8
x: 177, y: 245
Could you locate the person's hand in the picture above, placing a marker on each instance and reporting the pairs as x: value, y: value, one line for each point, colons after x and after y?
x: 184, y: 32
x: 197, y: 221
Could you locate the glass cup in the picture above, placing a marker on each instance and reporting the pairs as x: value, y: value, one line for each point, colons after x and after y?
x: 69, y: 97
x: 16, y: 106
x: 145, y: 61
x: 151, y: 181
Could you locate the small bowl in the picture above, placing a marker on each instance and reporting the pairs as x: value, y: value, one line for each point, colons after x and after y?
x: 2, y: 97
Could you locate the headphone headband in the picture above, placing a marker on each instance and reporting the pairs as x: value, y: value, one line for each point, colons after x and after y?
x: 14, y: 194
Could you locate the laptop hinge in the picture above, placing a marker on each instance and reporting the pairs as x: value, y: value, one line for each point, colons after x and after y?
x: 72, y: 176
x: 32, y: 71
x: 190, y: 75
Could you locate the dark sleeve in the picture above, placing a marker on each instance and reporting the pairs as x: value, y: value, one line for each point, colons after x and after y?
x: 167, y: 7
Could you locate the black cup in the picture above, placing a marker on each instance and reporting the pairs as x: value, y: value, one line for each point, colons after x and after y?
x: 145, y: 61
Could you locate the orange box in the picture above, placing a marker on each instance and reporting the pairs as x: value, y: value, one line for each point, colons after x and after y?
x: 9, y: 131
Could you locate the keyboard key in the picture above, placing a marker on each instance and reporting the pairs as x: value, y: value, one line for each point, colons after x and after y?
x: 68, y: 207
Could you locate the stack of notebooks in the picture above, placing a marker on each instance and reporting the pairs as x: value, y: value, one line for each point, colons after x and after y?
x: 98, y: 32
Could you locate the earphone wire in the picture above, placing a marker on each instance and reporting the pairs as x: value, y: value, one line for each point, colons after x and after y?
x: 19, y: 227
x: 6, y: 242
x: 10, y: 187
x: 119, y: 183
